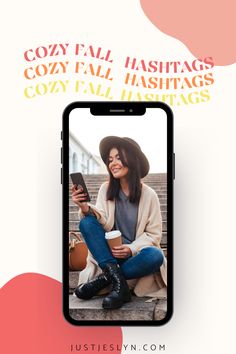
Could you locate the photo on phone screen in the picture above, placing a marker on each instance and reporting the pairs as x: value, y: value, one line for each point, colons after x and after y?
x: 117, y: 214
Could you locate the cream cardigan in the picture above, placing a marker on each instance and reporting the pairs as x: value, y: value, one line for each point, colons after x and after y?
x: 148, y: 233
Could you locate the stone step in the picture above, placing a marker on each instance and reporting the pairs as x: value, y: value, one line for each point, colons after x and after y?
x: 155, y: 181
x: 158, y: 187
x: 73, y: 280
x: 73, y: 216
x: 95, y: 180
x: 137, y: 309
x: 98, y: 184
x: 73, y: 225
x: 95, y: 187
x: 94, y: 192
x: 162, y: 198
x: 159, y: 176
x: 98, y: 181
x: 151, y: 184
x: 93, y: 196
x: 148, y: 179
x: 105, y: 177
x: 74, y: 208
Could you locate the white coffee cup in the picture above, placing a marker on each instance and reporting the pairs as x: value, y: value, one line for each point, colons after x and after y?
x: 113, y: 238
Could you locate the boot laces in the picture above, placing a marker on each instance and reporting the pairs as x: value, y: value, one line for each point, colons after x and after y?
x: 116, y: 284
x: 97, y: 282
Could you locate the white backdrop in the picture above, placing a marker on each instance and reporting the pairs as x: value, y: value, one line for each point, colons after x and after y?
x: 204, y: 314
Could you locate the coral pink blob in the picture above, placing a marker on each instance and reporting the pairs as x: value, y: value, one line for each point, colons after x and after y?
x: 207, y: 28
x: 32, y: 321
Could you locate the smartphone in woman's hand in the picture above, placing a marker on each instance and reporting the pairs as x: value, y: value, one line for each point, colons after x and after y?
x: 78, y: 180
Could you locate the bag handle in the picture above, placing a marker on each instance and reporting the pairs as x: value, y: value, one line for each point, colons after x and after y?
x: 75, y: 235
x: 74, y: 238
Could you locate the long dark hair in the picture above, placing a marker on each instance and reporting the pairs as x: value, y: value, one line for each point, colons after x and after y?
x: 130, y: 160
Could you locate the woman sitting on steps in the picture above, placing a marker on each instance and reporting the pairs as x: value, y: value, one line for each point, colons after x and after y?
x: 130, y: 206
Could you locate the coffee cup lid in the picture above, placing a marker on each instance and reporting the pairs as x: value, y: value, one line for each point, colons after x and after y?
x: 112, y: 234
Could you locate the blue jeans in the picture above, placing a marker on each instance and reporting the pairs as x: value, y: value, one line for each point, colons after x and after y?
x: 146, y: 262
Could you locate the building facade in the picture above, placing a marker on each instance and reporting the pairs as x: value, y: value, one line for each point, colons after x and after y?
x: 81, y: 160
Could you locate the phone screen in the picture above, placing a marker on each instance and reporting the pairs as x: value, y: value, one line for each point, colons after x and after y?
x: 120, y: 241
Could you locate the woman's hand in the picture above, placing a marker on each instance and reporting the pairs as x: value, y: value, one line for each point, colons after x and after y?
x: 78, y: 198
x: 121, y: 251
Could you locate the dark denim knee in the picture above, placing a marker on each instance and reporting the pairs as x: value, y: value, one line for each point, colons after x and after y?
x: 87, y: 222
x: 153, y: 255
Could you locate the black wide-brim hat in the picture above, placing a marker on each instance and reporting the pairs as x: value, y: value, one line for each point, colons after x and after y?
x: 109, y: 142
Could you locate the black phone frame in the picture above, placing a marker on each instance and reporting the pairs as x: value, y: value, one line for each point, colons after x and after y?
x: 117, y: 108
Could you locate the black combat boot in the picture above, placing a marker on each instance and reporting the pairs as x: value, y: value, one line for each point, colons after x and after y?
x: 88, y: 290
x: 120, y: 291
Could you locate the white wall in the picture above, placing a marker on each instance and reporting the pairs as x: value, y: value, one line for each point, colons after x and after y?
x: 80, y: 159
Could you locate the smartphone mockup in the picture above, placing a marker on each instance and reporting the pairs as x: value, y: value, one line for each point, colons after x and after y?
x: 122, y: 153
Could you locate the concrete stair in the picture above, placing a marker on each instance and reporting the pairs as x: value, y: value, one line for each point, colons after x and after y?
x: 74, y: 225
x: 74, y: 208
x: 138, y: 309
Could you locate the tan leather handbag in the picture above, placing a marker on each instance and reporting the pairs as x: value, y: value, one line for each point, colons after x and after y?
x: 78, y: 252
